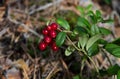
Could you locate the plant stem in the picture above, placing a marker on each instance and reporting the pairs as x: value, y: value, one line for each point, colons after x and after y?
x: 74, y: 44
x: 66, y: 31
x: 85, y: 53
x: 81, y: 50
x: 91, y: 61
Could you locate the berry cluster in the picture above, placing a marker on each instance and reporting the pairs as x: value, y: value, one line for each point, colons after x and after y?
x: 49, y: 33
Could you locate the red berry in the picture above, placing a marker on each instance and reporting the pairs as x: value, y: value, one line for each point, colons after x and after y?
x: 52, y: 33
x: 54, y: 47
x: 54, y: 26
x: 45, y: 31
x: 47, y: 39
x: 42, y: 46
x: 49, y: 28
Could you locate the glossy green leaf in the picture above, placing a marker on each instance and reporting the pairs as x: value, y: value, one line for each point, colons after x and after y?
x: 80, y: 30
x: 81, y: 9
x: 104, y: 31
x: 69, y: 51
x: 99, y: 16
x: 116, y: 41
x: 94, y: 30
x: 98, y: 13
x: 83, y: 22
x: 92, y: 16
x: 92, y: 40
x: 63, y: 23
x: 89, y: 7
x: 90, y: 13
x: 93, y: 19
x: 113, y: 49
x: 118, y: 74
x: 60, y: 38
x: 102, y: 41
x: 93, y: 50
x: 82, y: 41
x: 112, y: 70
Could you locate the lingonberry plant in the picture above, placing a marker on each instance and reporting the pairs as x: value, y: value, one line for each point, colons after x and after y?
x: 86, y: 37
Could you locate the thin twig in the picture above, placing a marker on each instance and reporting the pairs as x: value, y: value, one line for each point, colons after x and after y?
x: 3, y: 31
x: 50, y: 74
x: 25, y: 26
x: 34, y: 77
x: 44, y: 7
x: 74, y: 44
x: 92, y: 62
x: 22, y: 24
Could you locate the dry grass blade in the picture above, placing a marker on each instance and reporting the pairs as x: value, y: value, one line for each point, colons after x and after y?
x: 51, y: 72
x: 26, y: 27
x: 21, y: 63
x: 44, y: 7
x: 3, y: 31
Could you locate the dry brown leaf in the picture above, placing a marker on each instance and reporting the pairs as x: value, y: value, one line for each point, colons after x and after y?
x: 13, y: 74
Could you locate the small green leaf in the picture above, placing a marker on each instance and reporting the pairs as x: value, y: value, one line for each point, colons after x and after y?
x: 69, y: 51
x: 118, y: 75
x: 94, y: 30
x: 92, y: 40
x: 113, y: 49
x: 80, y: 30
x: 82, y: 41
x: 90, y: 13
x: 99, y: 16
x: 98, y: 13
x: 76, y: 77
x: 92, y: 17
x: 83, y: 22
x: 93, y: 50
x: 102, y: 41
x: 81, y: 9
x: 60, y: 38
x: 104, y: 31
x: 112, y: 70
x: 63, y: 23
x: 89, y: 7
x: 116, y: 41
